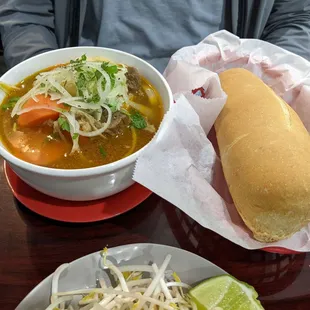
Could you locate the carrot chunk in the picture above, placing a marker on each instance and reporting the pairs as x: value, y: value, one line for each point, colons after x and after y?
x: 38, y: 117
x: 36, y: 149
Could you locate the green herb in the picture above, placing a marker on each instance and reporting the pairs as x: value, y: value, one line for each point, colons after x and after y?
x: 103, y: 84
x: 78, y: 61
x: 98, y: 74
x: 81, y: 81
x: 96, y: 98
x: 113, y: 108
x: 14, y: 99
x: 102, y: 151
x: 112, y: 82
x: 63, y: 123
x: 10, y: 104
x: 108, y: 68
x: 6, y: 106
x: 138, y: 121
x: 87, y: 78
x: 75, y: 136
x: 89, y: 75
x: 111, y: 71
x: 42, y: 85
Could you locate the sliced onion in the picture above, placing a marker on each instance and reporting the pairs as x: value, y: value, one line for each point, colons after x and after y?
x: 52, y: 72
x: 19, y: 103
x: 37, y: 107
x: 55, y: 96
x: 80, y: 104
x: 69, y: 99
x: 97, y: 115
x: 75, y: 145
x: 141, y: 108
x: 151, y: 95
x: 74, y: 125
x: 61, y: 89
x: 23, y: 99
x: 85, y: 93
x: 35, y: 98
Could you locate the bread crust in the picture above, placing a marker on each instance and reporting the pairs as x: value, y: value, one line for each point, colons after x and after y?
x: 265, y: 153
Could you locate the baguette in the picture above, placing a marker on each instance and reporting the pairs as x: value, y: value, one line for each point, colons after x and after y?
x: 265, y: 154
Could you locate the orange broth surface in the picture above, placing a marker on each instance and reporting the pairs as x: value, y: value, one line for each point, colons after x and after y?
x: 34, y: 144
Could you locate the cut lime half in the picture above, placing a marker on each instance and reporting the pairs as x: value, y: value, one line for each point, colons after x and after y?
x: 225, y: 293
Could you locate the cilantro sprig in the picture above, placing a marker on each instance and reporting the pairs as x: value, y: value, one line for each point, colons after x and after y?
x: 102, y: 151
x: 111, y: 71
x: 10, y: 104
x: 138, y: 121
x: 88, y: 77
x: 78, y: 61
x: 64, y: 124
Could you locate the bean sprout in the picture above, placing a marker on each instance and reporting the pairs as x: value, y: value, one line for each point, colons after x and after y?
x: 138, y: 287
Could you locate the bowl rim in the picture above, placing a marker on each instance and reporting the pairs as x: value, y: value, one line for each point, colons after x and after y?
x: 84, y: 172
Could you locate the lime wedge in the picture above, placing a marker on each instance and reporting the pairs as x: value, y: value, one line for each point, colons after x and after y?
x: 223, y: 293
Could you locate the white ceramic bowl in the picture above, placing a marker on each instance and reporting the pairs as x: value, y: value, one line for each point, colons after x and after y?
x: 90, y: 183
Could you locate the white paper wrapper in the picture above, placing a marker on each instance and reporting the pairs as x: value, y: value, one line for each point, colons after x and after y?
x: 181, y: 164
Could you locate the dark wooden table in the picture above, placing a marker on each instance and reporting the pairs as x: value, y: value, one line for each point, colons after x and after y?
x: 31, y: 247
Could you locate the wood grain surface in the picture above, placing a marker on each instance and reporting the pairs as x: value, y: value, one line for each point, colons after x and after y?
x: 31, y: 247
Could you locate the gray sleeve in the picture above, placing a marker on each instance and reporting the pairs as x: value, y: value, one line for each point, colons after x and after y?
x: 27, y: 29
x: 288, y: 26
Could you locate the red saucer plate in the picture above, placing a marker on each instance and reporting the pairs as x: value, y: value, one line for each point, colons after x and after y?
x: 278, y: 250
x: 75, y: 211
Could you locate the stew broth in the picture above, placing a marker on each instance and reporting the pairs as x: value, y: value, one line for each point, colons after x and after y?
x: 40, y: 144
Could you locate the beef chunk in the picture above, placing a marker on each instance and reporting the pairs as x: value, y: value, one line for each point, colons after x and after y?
x: 133, y: 80
x: 119, y: 120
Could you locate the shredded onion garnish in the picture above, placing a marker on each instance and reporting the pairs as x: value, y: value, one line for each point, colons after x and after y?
x: 137, y: 287
x: 89, y: 87
x: 85, y: 94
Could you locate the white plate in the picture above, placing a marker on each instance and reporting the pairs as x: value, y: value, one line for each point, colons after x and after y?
x: 83, y: 272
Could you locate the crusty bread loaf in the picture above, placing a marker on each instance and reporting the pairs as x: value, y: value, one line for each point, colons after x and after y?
x: 265, y: 153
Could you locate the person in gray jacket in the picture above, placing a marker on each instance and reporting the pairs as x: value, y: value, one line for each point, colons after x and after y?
x: 150, y: 29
